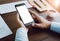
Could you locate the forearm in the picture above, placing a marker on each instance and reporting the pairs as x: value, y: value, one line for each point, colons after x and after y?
x: 21, y: 34
x: 55, y: 27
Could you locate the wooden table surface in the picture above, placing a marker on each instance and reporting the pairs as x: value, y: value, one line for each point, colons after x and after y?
x: 34, y: 34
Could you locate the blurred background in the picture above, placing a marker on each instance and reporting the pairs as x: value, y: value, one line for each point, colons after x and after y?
x: 11, y: 20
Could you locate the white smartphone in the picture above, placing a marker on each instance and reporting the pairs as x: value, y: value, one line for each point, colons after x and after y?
x: 24, y: 14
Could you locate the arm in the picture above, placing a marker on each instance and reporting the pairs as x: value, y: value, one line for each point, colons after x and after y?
x: 21, y: 34
x: 44, y: 24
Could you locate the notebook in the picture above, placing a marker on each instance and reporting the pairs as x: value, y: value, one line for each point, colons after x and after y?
x: 4, y: 29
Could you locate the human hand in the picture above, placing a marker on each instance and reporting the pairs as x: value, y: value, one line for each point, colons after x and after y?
x: 20, y: 22
x: 43, y: 23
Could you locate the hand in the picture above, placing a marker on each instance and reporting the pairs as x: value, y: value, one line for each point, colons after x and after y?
x: 43, y: 23
x: 20, y: 22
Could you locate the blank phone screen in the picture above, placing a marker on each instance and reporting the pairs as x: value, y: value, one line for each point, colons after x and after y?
x: 24, y: 14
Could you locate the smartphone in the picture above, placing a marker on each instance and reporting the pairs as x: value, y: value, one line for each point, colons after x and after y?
x: 24, y: 14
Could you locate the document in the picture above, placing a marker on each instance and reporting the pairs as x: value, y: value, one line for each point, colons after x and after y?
x: 4, y: 29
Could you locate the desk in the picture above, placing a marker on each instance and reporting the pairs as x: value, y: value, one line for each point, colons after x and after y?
x: 34, y: 34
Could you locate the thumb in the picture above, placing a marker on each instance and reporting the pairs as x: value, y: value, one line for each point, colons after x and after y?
x: 37, y: 25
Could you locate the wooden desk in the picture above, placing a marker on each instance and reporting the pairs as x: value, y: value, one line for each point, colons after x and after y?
x: 7, y: 1
x: 34, y: 34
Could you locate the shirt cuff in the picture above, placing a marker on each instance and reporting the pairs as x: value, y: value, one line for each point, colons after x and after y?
x: 55, y: 26
x: 21, y: 34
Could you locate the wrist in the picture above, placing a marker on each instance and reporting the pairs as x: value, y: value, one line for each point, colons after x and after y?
x: 49, y: 25
x: 22, y: 29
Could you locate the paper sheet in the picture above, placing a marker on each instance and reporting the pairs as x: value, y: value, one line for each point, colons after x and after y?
x: 4, y: 29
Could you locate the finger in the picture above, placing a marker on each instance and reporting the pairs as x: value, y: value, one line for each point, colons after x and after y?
x: 38, y: 17
x: 21, y: 23
x: 33, y: 16
x: 37, y: 25
x: 33, y: 13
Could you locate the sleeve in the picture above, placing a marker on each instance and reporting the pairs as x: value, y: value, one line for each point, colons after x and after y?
x: 21, y: 34
x: 55, y: 26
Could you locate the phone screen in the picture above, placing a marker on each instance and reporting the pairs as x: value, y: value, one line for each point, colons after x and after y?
x: 24, y: 14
